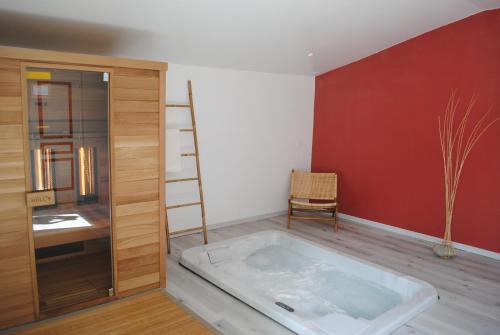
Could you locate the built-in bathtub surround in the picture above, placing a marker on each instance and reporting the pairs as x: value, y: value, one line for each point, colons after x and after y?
x: 308, y: 288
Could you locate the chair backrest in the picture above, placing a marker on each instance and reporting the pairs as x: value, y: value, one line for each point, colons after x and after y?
x: 318, y: 186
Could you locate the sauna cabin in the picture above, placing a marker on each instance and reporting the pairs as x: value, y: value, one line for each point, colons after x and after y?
x: 81, y: 181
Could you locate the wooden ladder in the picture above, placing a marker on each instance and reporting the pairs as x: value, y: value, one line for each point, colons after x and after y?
x: 195, y: 154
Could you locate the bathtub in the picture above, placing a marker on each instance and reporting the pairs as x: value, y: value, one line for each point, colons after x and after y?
x: 308, y: 288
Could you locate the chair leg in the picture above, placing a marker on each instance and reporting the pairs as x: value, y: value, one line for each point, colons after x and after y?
x: 289, y: 215
x: 336, y: 220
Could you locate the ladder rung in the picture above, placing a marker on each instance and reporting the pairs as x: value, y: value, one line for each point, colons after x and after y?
x: 178, y: 105
x: 184, y: 205
x: 181, y: 179
x: 185, y: 129
x: 185, y: 231
x: 188, y: 154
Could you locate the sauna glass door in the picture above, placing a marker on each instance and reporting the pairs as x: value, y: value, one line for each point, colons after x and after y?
x: 68, y: 122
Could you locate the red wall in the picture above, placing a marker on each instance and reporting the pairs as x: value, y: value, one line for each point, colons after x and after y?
x: 375, y: 123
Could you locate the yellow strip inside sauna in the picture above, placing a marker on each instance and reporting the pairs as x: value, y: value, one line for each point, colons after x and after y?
x: 89, y: 129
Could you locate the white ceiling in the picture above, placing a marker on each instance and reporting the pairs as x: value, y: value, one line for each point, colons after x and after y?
x: 257, y: 35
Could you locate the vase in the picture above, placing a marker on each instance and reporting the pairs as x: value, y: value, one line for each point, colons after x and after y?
x: 444, y: 250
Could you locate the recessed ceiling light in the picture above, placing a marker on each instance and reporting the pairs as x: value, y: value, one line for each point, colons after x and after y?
x: 310, y: 54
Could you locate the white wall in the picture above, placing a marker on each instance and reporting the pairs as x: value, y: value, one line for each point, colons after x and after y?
x: 253, y: 128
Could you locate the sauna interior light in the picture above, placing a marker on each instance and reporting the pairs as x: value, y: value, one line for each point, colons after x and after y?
x: 86, y: 166
x: 37, y: 162
x: 310, y: 54
x: 42, y: 169
x: 49, y: 180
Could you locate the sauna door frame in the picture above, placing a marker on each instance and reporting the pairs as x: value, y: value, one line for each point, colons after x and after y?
x: 27, y: 165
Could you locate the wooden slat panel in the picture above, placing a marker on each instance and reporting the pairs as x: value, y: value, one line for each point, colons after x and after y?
x: 11, y: 131
x: 143, y: 250
x: 127, y: 175
x: 12, y: 201
x: 11, y: 104
x: 11, y: 166
x: 136, y: 163
x: 10, y: 110
x: 136, y: 141
x: 11, y: 145
x: 135, y: 106
x: 136, y: 82
x: 139, y: 229
x: 136, y: 241
x: 137, y: 224
x: 11, y: 138
x: 11, y: 158
x: 132, y: 263
x: 137, y: 271
x: 23, y: 300
x: 17, y: 316
x: 9, y: 83
x: 12, y: 171
x: 128, y: 284
x: 142, y: 162
x: 13, y: 244
x: 136, y: 191
x: 10, y: 64
x: 136, y: 124
x: 137, y: 208
x: 134, y: 118
x: 14, y: 220
x: 16, y: 293
x: 137, y: 187
x: 138, y: 266
x: 11, y: 270
x: 135, y: 94
x: 135, y: 152
x: 10, y: 78
x: 135, y: 219
x: 12, y: 185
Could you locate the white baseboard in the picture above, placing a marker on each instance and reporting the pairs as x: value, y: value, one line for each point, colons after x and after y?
x: 248, y: 219
x: 218, y: 225
x: 420, y: 236
x: 397, y: 230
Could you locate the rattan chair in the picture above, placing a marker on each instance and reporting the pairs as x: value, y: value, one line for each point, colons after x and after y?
x: 306, y: 186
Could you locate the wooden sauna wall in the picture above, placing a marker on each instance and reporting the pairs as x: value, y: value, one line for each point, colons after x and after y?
x: 137, y: 99
x: 17, y: 302
x: 137, y: 201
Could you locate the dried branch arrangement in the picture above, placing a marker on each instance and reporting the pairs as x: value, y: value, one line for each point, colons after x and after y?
x: 455, y: 148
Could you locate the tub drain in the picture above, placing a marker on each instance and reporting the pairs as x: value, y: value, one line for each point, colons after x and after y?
x: 284, y: 306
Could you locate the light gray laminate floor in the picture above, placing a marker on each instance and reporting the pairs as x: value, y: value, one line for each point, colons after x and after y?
x: 468, y: 286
